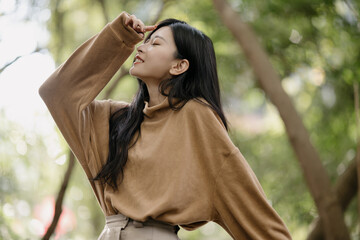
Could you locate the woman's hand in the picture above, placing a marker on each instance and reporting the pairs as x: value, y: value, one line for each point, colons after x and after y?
x: 138, y: 25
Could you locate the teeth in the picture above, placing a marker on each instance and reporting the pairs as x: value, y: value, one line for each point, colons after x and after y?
x: 138, y: 60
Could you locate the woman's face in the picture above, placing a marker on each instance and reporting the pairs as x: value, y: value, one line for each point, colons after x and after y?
x: 155, y: 57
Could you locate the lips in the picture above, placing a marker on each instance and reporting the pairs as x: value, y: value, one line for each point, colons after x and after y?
x: 138, y: 59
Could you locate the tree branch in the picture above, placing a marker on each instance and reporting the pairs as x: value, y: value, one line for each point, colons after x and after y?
x: 123, y: 72
x: 357, y: 119
x: 60, y: 197
x: 18, y: 57
x: 104, y: 11
x: 313, y: 170
x: 9, y: 63
x: 58, y: 16
x: 159, y: 12
x: 345, y: 188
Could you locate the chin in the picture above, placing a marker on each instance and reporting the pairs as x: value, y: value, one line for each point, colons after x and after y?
x: 135, y: 73
x: 132, y: 72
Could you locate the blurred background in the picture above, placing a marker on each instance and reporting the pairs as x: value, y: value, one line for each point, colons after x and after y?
x: 312, y: 45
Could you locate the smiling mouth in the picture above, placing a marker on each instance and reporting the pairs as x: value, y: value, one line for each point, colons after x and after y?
x: 138, y: 60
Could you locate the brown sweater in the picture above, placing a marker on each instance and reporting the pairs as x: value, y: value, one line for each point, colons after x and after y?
x: 183, y: 170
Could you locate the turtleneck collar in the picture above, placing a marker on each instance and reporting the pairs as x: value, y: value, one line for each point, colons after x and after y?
x: 151, y: 111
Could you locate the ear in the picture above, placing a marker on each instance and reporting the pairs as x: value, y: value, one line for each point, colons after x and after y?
x: 180, y: 66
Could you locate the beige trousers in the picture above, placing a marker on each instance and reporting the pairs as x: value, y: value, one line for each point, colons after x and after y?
x: 120, y: 227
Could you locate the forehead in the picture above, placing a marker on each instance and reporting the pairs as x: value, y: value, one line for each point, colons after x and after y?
x: 164, y: 32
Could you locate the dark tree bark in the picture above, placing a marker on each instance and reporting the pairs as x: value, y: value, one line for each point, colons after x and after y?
x: 60, y: 197
x: 315, y: 175
x: 345, y: 188
x: 38, y: 49
x: 58, y: 16
x: 104, y: 11
x: 357, y: 119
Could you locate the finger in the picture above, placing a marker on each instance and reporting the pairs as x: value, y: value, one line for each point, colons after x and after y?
x: 136, y: 24
x: 150, y: 28
x: 141, y: 34
x: 140, y: 27
x: 129, y: 19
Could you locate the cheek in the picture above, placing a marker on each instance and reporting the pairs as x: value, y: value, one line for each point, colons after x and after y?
x: 163, y: 56
x: 161, y: 61
x: 157, y: 64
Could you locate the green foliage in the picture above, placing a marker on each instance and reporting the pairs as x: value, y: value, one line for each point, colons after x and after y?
x: 25, y: 174
x: 314, y: 47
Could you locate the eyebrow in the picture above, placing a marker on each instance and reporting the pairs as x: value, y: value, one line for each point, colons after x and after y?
x: 157, y: 36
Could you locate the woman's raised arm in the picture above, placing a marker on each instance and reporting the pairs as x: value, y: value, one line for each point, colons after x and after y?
x: 70, y: 91
x: 80, y: 79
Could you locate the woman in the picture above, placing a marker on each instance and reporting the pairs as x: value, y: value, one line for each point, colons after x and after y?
x: 165, y: 159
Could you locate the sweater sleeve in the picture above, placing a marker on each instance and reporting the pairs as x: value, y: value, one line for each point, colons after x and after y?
x: 238, y: 202
x: 241, y: 207
x: 70, y: 91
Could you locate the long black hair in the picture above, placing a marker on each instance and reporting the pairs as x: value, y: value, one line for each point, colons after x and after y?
x: 200, y: 81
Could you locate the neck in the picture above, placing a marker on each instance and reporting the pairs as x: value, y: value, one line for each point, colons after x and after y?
x: 155, y: 96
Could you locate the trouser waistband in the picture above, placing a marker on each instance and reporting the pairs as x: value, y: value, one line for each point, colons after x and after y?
x: 121, y: 220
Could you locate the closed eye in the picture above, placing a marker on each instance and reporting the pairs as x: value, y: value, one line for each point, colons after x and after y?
x: 155, y: 42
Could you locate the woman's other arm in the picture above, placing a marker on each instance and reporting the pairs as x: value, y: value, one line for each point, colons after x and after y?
x: 241, y: 206
x: 239, y: 202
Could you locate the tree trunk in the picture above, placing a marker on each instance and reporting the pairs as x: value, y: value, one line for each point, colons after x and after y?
x: 314, y: 173
x: 357, y: 119
x: 60, y: 197
x: 104, y: 11
x: 345, y: 188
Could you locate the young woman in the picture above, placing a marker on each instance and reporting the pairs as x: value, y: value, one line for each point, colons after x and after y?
x: 164, y: 160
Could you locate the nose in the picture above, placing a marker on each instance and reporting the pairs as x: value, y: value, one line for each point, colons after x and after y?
x: 141, y: 48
